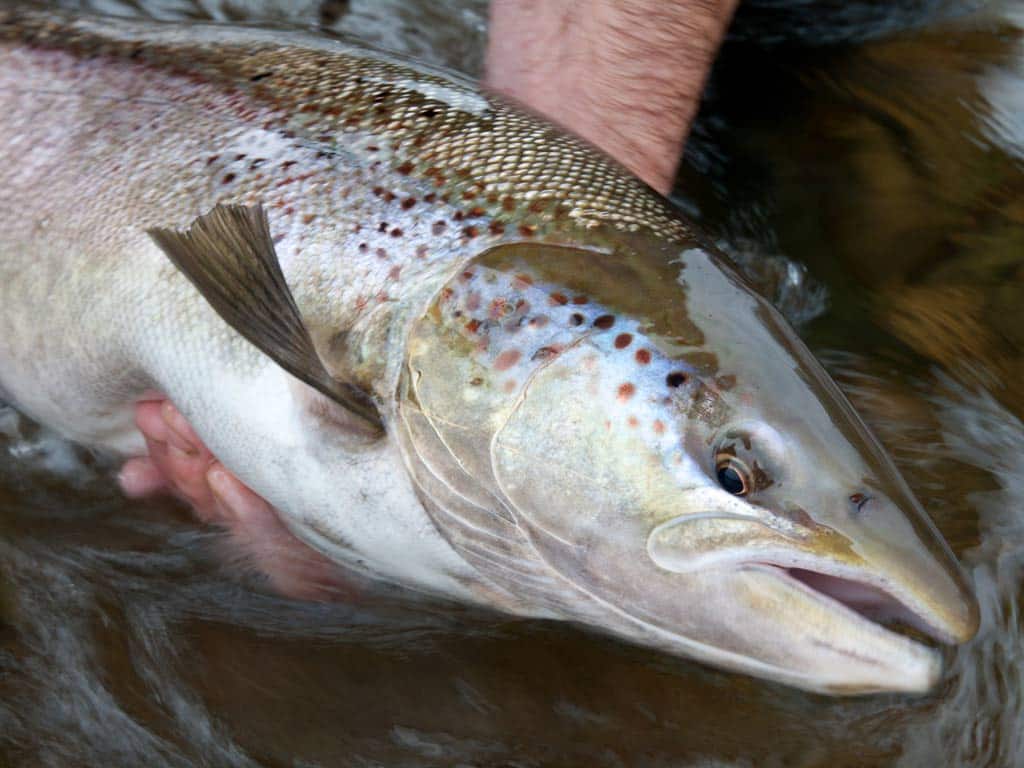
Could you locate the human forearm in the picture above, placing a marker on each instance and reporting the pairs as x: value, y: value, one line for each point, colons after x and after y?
x: 627, y: 75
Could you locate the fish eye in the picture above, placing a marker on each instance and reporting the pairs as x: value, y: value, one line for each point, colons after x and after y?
x: 732, y: 475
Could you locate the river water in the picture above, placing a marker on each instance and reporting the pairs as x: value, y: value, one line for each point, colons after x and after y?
x: 865, y: 161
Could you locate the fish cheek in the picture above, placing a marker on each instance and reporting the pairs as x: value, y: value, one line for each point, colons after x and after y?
x: 587, y: 497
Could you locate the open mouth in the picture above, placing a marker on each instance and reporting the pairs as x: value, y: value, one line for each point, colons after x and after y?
x: 868, y: 600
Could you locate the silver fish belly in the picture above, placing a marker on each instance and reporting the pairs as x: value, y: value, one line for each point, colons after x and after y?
x: 455, y: 347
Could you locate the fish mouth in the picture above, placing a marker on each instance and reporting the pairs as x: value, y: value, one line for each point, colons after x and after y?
x: 867, y: 598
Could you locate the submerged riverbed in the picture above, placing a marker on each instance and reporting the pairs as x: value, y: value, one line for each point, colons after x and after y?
x: 872, y: 186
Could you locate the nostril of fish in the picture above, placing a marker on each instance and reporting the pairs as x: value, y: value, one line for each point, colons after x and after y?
x: 859, y: 500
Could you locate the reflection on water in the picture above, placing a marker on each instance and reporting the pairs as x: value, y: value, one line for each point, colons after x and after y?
x: 892, y: 170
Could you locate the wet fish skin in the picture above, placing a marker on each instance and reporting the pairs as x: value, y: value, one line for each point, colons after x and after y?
x: 385, y: 185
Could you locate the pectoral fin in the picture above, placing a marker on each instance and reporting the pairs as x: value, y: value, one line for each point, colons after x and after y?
x: 229, y: 256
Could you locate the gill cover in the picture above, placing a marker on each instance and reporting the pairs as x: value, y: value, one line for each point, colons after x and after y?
x: 563, y: 412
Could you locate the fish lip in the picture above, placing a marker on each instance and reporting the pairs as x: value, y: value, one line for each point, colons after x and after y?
x: 919, y: 617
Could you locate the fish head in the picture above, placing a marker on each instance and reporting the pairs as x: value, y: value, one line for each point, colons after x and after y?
x: 632, y: 436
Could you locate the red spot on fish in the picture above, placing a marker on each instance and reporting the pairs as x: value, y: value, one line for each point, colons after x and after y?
x: 471, y: 231
x: 476, y: 212
x: 466, y: 276
x: 473, y: 325
x: 604, y: 322
x: 643, y: 356
x: 633, y: 422
x: 510, y: 386
x: 626, y: 391
x: 558, y: 299
x: 381, y: 253
x: 394, y: 272
x: 496, y: 228
x: 539, y: 321
x: 659, y: 427
x: 522, y: 281
x: 408, y: 203
x: 309, y: 218
x: 508, y: 203
x: 580, y: 299
x: 421, y: 251
x: 507, y: 359
x: 623, y: 340
x: 405, y: 168
x: 473, y: 302
x: 537, y: 206
x: 497, y: 308
x: 526, y: 230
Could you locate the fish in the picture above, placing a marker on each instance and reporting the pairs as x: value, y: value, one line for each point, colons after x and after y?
x: 458, y: 349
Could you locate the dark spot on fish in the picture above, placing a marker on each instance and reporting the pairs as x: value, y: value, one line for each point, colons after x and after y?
x: 473, y: 325
x: 526, y: 230
x: 228, y: 178
x: 408, y: 203
x: 381, y: 253
x: 604, y: 322
x: 623, y: 340
x: 438, y: 227
x: 405, y: 168
x: 508, y: 203
x: 363, y: 246
x: 396, y: 232
x: 240, y: 156
x: 576, y: 318
x: 429, y: 112
x: 496, y: 228
x: 580, y: 299
x: 558, y: 299
x: 676, y: 379
x: 539, y: 321
x: 507, y: 359
x: 546, y: 353
x: 212, y: 159
x: 382, y: 227
x: 458, y: 216
x: 430, y: 197
x: 475, y: 212
x: 537, y: 206
x: 476, y: 381
x: 471, y: 231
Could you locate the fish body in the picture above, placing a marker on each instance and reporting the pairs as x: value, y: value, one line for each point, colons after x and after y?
x: 514, y: 375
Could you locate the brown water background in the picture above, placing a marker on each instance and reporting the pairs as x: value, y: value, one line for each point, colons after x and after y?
x: 866, y: 162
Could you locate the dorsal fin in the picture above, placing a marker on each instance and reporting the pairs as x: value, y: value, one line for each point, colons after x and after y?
x: 229, y: 256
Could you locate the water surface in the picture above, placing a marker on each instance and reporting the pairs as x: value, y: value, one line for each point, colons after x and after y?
x: 872, y: 185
